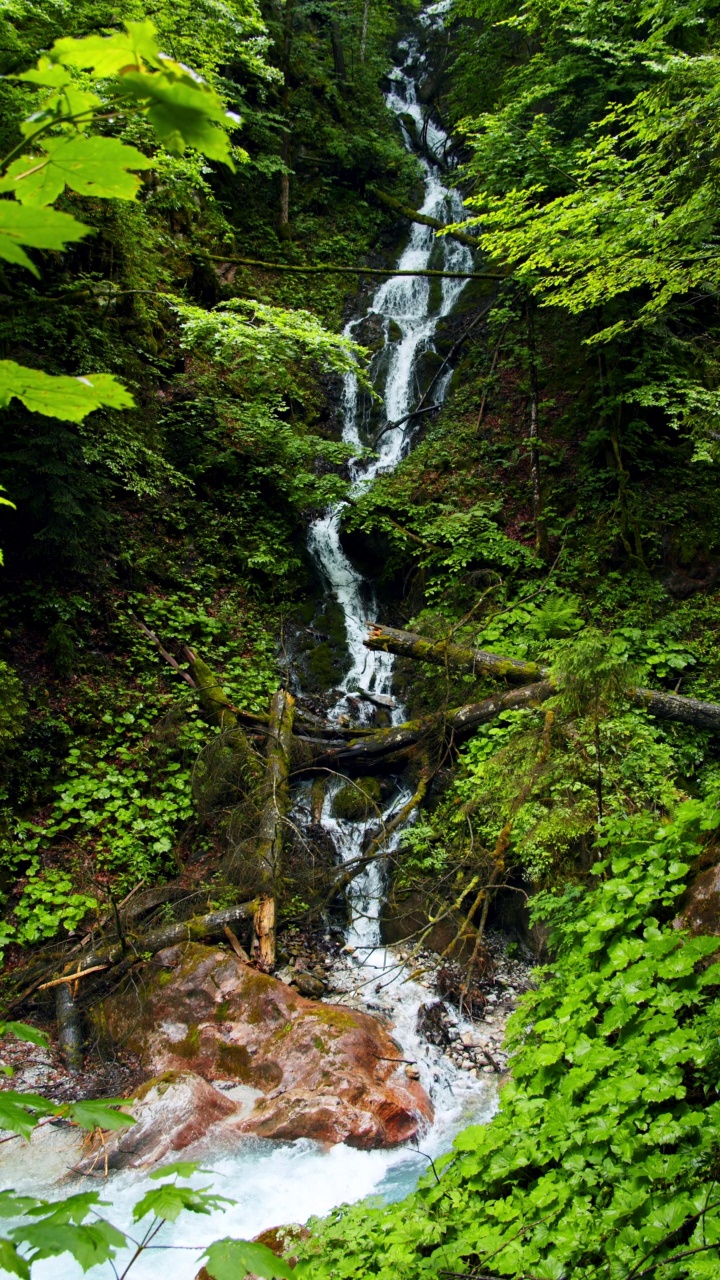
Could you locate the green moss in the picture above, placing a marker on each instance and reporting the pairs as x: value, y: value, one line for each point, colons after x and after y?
x: 188, y: 1047
x: 161, y: 1083
x: 222, y: 1011
x: 320, y: 1044
x: 339, y: 1019
x: 236, y: 1061
x: 357, y: 801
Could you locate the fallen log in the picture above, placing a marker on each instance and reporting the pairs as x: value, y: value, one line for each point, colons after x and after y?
x: 330, y: 269
x: 414, y: 215
x: 479, y: 661
x: 276, y: 806
x: 384, y: 743
x: 664, y: 706
x: 213, y: 697
x: 115, y: 959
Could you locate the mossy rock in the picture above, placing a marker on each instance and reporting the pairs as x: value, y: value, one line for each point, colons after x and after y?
x: 358, y: 801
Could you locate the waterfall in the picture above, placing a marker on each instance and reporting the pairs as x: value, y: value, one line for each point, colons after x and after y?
x: 273, y: 1182
x: 403, y: 305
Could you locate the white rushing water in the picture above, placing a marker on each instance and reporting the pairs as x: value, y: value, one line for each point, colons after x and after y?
x: 272, y: 1183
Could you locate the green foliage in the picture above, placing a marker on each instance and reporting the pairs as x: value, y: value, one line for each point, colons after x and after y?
x: 22, y: 1031
x: 183, y: 111
x: 270, y: 336
x: 228, y: 1259
x: 70, y: 399
x: 602, y: 1159
x: 21, y: 1112
x: 35, y: 229
x: 48, y: 904
x: 13, y: 707
x: 170, y: 1200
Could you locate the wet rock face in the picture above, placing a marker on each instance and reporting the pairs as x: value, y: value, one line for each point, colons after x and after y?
x: 170, y: 1113
x: 323, y: 1071
x: 700, y: 912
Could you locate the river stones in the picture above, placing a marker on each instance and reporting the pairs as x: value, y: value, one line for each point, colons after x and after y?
x: 322, y: 1071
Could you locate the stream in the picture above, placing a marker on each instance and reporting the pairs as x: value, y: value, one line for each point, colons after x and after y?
x: 270, y: 1182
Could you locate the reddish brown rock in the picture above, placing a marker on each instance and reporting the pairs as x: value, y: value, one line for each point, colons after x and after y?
x: 325, y: 1071
x: 700, y: 910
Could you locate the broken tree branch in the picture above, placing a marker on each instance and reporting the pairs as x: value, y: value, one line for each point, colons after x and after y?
x: 272, y: 823
x: 167, y: 656
x: 71, y: 977
x: 117, y: 961
x: 414, y: 215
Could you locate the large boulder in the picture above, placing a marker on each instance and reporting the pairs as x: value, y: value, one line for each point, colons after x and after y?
x: 323, y: 1071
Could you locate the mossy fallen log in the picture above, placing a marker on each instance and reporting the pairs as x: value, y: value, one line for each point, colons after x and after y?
x: 414, y: 215
x: 665, y: 706
x: 386, y: 743
x: 478, y: 661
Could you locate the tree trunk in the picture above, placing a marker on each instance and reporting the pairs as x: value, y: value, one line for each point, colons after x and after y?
x: 276, y: 805
x: 541, y: 539
x: 338, y: 52
x: 284, y: 218
x: 363, y: 34
x: 69, y: 1024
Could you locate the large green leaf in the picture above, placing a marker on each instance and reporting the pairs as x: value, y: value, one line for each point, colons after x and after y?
x: 169, y: 1201
x: 70, y: 1209
x: 183, y: 111
x: 109, y: 55
x: 178, y: 1169
x: 92, y: 166
x: 68, y: 398
x: 12, y: 1262
x: 89, y: 1243
x: 97, y: 1114
x: 13, y: 1206
x: 19, y: 1112
x: 234, y: 1259
x: 36, y: 228
x: 21, y: 1030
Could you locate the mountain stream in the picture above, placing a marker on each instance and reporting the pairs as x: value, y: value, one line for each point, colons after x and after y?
x: 274, y: 1183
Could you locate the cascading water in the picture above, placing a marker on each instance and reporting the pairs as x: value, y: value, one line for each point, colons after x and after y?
x: 272, y: 1183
